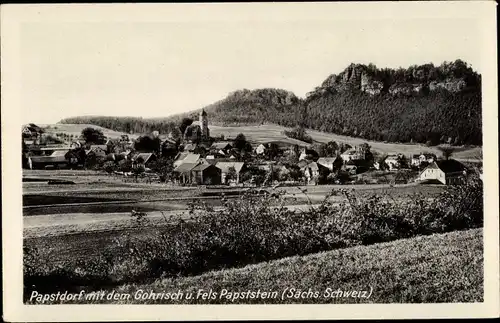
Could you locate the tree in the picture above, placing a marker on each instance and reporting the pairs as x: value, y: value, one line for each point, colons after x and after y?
x: 299, y: 133
x: 241, y: 143
x: 164, y: 167
x: 109, y: 166
x: 446, y: 151
x: 93, y: 136
x: 231, y: 174
x: 147, y: 144
x: 186, y: 122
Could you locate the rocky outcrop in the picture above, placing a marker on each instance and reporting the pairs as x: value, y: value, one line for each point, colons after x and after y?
x: 413, y: 80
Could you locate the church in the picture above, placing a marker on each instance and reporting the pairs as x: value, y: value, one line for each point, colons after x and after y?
x: 198, y: 133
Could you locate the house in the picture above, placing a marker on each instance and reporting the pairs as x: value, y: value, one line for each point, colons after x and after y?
x: 308, y: 154
x: 312, y: 171
x: 418, y: 159
x: 225, y: 168
x: 392, y: 161
x: 57, y: 160
x: 144, y: 159
x: 206, y: 174
x: 221, y: 146
x: 186, y: 157
x: 329, y: 162
x: 190, y: 147
x: 184, y: 171
x: 448, y: 172
x: 376, y: 165
x: 351, y: 169
x: 98, y: 150
x: 261, y: 149
x: 352, y: 154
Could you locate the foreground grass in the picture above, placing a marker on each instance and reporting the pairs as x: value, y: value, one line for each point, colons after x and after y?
x: 429, y: 269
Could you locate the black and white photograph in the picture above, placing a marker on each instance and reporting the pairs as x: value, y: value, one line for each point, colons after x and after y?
x: 251, y: 154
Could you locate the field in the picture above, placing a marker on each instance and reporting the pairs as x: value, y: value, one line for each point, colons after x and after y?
x: 76, y: 130
x: 430, y: 269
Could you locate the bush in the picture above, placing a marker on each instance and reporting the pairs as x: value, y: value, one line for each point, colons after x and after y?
x: 253, y: 229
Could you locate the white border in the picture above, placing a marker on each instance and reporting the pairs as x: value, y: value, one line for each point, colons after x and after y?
x: 14, y: 15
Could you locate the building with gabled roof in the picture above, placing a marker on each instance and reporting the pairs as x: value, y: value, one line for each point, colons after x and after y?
x: 225, y: 168
x: 186, y: 157
x: 206, y: 174
x: 447, y: 172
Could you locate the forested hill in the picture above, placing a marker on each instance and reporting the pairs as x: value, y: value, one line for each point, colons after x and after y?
x: 416, y: 104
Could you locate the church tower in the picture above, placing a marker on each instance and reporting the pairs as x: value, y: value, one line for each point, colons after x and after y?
x: 204, y: 124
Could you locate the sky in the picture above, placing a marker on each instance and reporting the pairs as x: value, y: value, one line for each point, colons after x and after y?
x: 160, y: 65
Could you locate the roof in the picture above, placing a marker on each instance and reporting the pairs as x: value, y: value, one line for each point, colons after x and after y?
x: 144, y: 156
x: 311, y: 165
x: 224, y: 166
x: 302, y: 163
x: 202, y: 167
x: 450, y: 166
x: 59, y: 153
x: 185, y: 167
x: 326, y: 160
x: 190, y: 147
x: 48, y: 159
x: 103, y: 147
x: 168, y: 141
x: 221, y: 145
x: 349, y: 151
x: 202, y: 112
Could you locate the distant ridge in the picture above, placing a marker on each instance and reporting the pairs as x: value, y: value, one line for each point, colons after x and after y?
x: 422, y: 103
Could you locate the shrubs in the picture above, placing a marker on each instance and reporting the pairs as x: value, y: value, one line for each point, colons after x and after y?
x: 250, y: 230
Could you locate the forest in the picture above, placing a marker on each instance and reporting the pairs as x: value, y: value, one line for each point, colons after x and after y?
x: 421, y: 104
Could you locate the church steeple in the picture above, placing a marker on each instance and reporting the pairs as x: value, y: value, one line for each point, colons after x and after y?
x: 204, y: 124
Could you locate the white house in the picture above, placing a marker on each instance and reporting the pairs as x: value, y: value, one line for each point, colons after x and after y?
x: 260, y: 149
x: 392, y: 161
x: 351, y: 154
x: 446, y: 172
x: 418, y: 159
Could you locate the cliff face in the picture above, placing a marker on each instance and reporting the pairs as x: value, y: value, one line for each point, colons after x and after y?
x: 452, y: 77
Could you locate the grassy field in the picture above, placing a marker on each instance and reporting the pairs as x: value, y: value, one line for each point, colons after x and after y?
x: 265, y: 133
x: 427, y: 269
x: 76, y: 130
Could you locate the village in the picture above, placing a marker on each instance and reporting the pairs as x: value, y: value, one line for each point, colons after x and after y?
x: 196, y: 158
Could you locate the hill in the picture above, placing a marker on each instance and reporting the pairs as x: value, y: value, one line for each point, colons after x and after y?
x: 419, y: 104
x: 75, y: 130
x: 426, y: 269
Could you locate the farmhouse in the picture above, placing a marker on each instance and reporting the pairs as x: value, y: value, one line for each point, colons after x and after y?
x: 308, y: 154
x: 206, y: 174
x: 311, y: 172
x: 144, y: 159
x: 329, y: 162
x: 226, y: 167
x: 186, y: 157
x: 223, y: 146
x: 392, y: 161
x: 448, y: 172
x: 185, y: 172
x: 261, y: 149
x: 417, y: 160
x: 57, y: 160
x: 352, y: 154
